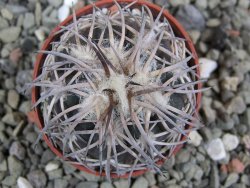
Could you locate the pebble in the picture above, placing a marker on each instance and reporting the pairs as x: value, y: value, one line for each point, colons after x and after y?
x: 190, y: 17
x: 213, y: 3
x: 140, y: 182
x: 27, y: 45
x: 87, y: 184
x: 17, y: 149
x: 13, y: 118
x: 122, y: 183
x: 7, y: 14
x: 15, y: 55
x: 15, y: 166
x: 213, y: 22
x: 195, y: 35
x: 182, y: 156
x: 48, y: 155
x: 40, y: 34
x: 244, y: 3
x: 214, y: 178
x: 89, y: 177
x: 195, y: 138
x: 201, y: 4
x: 245, y: 179
x: 13, y: 99
x: 37, y: 178
x: 2, y: 95
x: 10, y: 34
x: 207, y: 66
x: 23, y: 183
x: 56, y: 3
x: 62, y: 183
x: 231, y: 179
x: 177, y: 3
x: 51, y: 166
x: 3, y: 166
x: 38, y: 13
x: 235, y: 165
x: 3, y: 23
x: 150, y: 176
x: 216, y: 150
x: 106, y: 185
x: 29, y: 20
x: 69, y: 3
x: 63, y: 12
x: 55, y: 174
x: 236, y: 105
x: 209, y: 112
x: 25, y: 107
x: 17, y: 10
x: 230, y: 83
x: 230, y: 141
x: 9, y: 181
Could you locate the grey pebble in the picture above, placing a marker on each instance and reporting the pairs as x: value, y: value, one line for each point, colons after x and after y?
x: 183, y: 156
x: 15, y: 166
x: 9, y: 180
x: 140, y: 182
x: 122, y: 183
x: 47, y: 156
x: 87, y: 185
x: 17, y: 149
x: 214, y: 178
x: 16, y: 9
x: 10, y: 34
x: 62, y: 183
x: 29, y: 20
x: 190, y: 17
x: 236, y: 105
x: 150, y: 176
x: 106, y: 185
x: 37, y: 178
x: 13, y: 118
x: 2, y: 95
x: 3, y: 23
x: 55, y: 4
x: 231, y: 179
x: 55, y: 174
x: 3, y: 166
x: 13, y: 98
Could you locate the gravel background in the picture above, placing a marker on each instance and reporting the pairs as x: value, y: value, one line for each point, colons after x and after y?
x: 218, y: 155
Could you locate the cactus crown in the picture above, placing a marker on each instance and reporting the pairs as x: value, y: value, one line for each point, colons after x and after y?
x: 117, y: 90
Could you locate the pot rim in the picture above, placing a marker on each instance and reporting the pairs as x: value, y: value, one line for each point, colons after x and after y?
x: 86, y: 10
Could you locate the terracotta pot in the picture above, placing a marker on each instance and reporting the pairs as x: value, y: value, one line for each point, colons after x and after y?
x: 179, y: 31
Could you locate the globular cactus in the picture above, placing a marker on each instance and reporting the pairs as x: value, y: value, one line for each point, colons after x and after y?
x: 118, y: 90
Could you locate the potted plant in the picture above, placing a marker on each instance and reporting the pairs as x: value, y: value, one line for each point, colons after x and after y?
x: 116, y: 88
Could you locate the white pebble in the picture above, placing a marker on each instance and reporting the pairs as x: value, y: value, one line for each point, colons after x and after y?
x: 51, y: 166
x: 63, y: 12
x: 207, y: 66
x: 23, y: 183
x: 40, y: 35
x: 216, y: 150
x: 195, y: 138
x: 70, y: 3
x: 104, y: 10
x: 136, y: 12
x: 230, y: 141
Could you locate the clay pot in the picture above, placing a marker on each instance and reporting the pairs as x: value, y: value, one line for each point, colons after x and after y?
x: 179, y: 31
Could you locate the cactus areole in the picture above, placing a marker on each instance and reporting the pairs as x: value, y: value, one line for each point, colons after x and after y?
x: 116, y: 88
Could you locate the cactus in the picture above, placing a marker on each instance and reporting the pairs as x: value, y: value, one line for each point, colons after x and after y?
x: 118, y: 90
